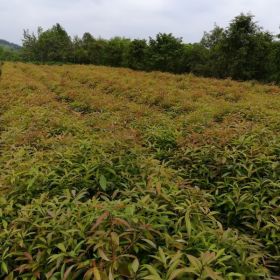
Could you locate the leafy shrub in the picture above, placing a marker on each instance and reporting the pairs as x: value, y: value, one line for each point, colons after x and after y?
x: 128, y: 189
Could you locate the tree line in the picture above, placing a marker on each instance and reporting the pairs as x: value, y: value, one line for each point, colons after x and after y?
x: 241, y: 51
x: 9, y: 54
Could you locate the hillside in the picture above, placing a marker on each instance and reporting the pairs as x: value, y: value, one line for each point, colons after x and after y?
x: 114, y: 174
x: 6, y: 44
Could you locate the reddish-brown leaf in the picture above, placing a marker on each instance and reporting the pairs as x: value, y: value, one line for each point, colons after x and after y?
x: 121, y: 222
x: 100, y: 220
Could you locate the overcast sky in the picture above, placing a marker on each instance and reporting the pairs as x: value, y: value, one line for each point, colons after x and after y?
x: 131, y: 18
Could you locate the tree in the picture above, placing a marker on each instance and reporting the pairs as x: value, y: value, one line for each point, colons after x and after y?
x: 245, y: 48
x: 215, y: 63
x: 195, y: 57
x: 137, y: 54
x: 8, y: 54
x: 274, y: 62
x: 51, y: 45
x: 30, y: 50
x: 213, y: 38
x: 165, y: 53
x: 95, y: 49
x: 87, y: 43
x: 242, y: 51
x: 54, y: 44
x: 116, y: 52
x: 1, y: 65
x: 78, y: 54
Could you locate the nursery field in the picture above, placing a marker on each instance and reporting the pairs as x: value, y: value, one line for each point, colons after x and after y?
x: 109, y: 174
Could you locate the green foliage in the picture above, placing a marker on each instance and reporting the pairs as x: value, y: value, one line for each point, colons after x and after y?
x: 94, y: 49
x: 241, y: 51
x: 54, y: 44
x: 116, y: 174
x: 9, y: 45
x: 274, y: 63
x: 73, y: 233
x: 165, y: 53
x: 7, y: 54
x: 243, y: 179
x: 194, y: 58
x: 30, y: 47
x: 1, y: 66
x: 116, y: 52
x: 213, y: 38
x: 137, y: 54
x: 246, y: 49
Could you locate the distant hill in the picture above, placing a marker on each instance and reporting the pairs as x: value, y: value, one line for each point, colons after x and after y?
x: 6, y: 44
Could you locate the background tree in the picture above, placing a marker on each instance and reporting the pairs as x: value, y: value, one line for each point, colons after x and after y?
x: 78, y: 53
x: 211, y: 49
x: 245, y: 48
x: 137, y: 54
x: 98, y: 48
x: 195, y: 57
x: 116, y: 52
x: 87, y: 44
x: 242, y: 51
x: 93, y: 49
x: 274, y: 62
x: 165, y: 53
x: 7, y: 54
x: 30, y: 48
x: 213, y: 38
x: 51, y: 45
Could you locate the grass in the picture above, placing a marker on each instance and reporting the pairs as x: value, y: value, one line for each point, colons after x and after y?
x: 114, y: 174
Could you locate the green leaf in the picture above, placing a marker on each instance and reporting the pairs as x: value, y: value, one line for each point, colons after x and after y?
x: 212, y: 274
x: 102, y: 254
x: 153, y: 272
x: 179, y: 272
x: 151, y: 243
x: 103, y: 182
x: 188, y: 223
x: 195, y: 262
x: 5, y: 224
x: 135, y: 265
x: 61, y: 247
x: 4, y: 267
x: 54, y: 257
x: 162, y: 256
x: 232, y: 274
